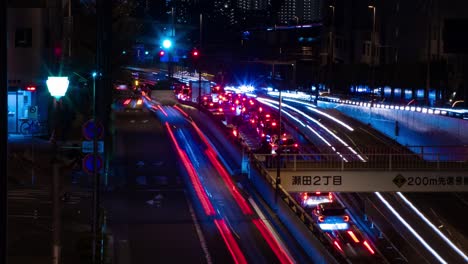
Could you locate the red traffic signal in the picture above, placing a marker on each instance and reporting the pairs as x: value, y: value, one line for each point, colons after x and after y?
x: 195, y: 53
x: 31, y: 88
x: 161, y: 53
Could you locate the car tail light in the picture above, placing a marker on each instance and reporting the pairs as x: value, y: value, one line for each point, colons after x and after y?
x: 267, y: 115
x: 317, y: 193
x: 220, y: 109
x: 263, y: 135
x: 205, y: 98
x: 234, y: 132
x: 296, y: 145
x: 321, y: 218
x: 233, y: 109
x: 305, y: 196
x: 353, y: 236
x: 337, y: 245
x: 330, y: 196
x: 369, y: 247
x: 346, y: 218
x: 273, y: 124
x: 237, y: 101
x: 126, y: 102
x: 211, y: 104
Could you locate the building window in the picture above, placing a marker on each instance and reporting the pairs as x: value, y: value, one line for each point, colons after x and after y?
x: 23, y: 38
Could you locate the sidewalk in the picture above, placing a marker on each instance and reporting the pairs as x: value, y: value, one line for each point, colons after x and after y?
x: 30, y: 208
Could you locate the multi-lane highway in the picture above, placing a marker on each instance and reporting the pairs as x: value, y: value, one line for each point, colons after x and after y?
x: 396, y: 228
x: 173, y: 200
x: 429, y: 242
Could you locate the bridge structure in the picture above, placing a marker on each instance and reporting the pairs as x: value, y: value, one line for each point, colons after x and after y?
x: 372, y: 172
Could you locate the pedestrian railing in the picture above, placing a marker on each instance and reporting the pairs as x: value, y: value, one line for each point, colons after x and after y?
x: 385, y: 162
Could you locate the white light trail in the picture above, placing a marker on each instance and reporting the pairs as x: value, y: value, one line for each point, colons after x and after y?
x: 459, y: 252
x: 403, y: 221
x: 263, y: 100
x: 288, y: 114
x: 312, y: 108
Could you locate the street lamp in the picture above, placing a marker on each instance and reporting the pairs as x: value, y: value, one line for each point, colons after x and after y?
x: 96, y: 190
x: 167, y: 43
x: 57, y: 87
x: 372, y: 52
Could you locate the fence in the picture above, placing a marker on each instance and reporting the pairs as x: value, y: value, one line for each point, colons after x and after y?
x: 387, y: 162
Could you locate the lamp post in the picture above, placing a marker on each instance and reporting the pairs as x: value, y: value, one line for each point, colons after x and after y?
x: 372, y: 53
x: 278, y: 155
x: 167, y: 45
x: 57, y: 87
x: 331, y: 45
x: 96, y: 179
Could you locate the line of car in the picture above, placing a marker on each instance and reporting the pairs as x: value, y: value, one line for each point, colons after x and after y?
x: 330, y: 215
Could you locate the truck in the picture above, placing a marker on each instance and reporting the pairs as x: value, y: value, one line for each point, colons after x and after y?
x: 197, y: 91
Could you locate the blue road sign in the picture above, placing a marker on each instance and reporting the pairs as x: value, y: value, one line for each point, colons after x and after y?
x: 88, y: 163
x: 89, y: 129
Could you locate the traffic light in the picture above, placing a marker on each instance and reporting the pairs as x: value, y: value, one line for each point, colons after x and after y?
x: 195, y: 53
x: 167, y: 43
x: 161, y: 53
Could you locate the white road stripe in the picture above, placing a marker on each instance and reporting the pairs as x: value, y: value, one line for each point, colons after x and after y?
x: 268, y: 225
x: 201, y: 238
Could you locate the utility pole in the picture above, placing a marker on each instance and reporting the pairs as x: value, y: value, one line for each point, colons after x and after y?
x: 200, y: 38
x: 3, y: 135
x: 103, y: 89
x: 199, y: 62
x: 372, y: 54
x: 199, y: 87
x: 429, y: 47
x: 331, y: 47
x: 278, y: 156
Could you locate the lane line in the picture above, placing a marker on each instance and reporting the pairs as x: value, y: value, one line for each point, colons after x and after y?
x: 200, y: 236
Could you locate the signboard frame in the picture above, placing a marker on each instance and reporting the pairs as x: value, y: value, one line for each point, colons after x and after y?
x: 374, y: 181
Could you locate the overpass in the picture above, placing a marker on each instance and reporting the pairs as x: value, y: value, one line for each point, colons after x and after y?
x: 380, y: 172
x: 422, y: 130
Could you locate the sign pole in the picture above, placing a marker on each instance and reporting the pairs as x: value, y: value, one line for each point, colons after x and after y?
x: 3, y: 134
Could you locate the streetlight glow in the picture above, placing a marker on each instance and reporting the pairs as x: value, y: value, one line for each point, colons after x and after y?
x: 57, y: 86
x: 167, y: 43
x: 371, y: 6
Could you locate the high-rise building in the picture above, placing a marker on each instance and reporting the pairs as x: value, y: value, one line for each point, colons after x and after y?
x: 300, y: 11
x: 253, y: 4
x: 224, y: 10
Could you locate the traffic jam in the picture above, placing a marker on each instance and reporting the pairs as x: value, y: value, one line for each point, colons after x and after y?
x: 259, y: 124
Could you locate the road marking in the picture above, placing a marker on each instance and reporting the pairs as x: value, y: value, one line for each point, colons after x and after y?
x: 201, y: 238
x: 162, y: 190
x: 29, y: 216
x: 268, y: 225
